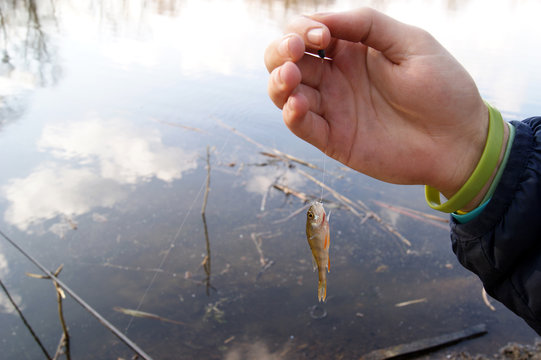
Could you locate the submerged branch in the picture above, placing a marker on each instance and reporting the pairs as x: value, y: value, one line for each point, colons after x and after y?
x: 265, y: 263
x: 207, y: 187
x: 206, y: 261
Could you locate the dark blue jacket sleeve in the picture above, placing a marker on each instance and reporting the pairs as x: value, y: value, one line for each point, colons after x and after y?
x: 503, y: 244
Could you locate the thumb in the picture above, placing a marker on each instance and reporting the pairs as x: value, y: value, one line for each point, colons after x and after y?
x: 372, y: 28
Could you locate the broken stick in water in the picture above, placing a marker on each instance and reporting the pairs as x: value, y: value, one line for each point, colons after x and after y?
x: 486, y: 301
x: 289, y: 191
x: 411, y: 302
x: 425, y: 344
x: 146, y: 315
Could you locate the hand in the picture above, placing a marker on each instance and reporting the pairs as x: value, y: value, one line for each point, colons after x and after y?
x: 392, y: 103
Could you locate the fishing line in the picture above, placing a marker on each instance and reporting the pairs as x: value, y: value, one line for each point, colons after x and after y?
x: 323, y: 180
x: 172, y: 245
x: 321, y: 54
x: 81, y: 302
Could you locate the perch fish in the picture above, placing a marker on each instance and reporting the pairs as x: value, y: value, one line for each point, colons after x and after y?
x: 317, y: 234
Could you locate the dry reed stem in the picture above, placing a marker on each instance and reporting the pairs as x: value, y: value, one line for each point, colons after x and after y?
x: 206, y: 264
x: 289, y: 191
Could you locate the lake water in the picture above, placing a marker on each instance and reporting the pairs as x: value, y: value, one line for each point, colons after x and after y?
x: 108, y: 110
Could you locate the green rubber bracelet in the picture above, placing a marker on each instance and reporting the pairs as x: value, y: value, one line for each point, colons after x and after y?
x: 482, y: 173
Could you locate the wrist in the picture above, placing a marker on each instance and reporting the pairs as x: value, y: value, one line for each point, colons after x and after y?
x: 476, y: 201
x: 471, y: 191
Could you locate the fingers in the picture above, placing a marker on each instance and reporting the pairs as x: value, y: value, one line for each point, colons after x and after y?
x: 288, y: 48
x: 302, y: 34
x: 304, y: 123
x: 374, y: 29
x: 283, y: 80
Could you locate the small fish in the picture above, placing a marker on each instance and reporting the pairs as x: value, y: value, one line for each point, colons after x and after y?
x: 317, y: 234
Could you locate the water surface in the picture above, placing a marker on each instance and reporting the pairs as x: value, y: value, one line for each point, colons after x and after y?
x: 107, y: 111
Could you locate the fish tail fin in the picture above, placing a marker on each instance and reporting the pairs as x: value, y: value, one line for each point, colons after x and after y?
x: 322, y: 290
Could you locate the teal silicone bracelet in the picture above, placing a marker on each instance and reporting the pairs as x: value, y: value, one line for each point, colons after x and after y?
x: 482, y: 173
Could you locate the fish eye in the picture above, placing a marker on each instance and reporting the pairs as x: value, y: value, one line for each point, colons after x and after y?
x: 310, y: 215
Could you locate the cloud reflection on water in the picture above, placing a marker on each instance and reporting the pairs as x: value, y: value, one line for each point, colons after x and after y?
x: 5, y: 305
x: 92, y: 161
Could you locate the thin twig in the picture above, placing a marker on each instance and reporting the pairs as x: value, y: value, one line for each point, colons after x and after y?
x: 59, y: 347
x: 207, y: 188
x: 206, y: 262
x: 59, y: 296
x: 258, y: 242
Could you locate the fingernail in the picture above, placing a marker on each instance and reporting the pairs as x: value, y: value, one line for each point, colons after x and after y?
x: 283, y: 48
x: 315, y: 36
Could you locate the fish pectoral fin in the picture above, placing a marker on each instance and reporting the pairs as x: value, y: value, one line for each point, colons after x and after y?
x: 327, y: 242
x: 314, y: 263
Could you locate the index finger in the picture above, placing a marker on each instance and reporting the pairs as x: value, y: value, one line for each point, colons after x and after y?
x: 372, y: 28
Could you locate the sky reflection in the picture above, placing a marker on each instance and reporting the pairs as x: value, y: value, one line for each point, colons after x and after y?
x: 92, y: 160
x: 5, y: 305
